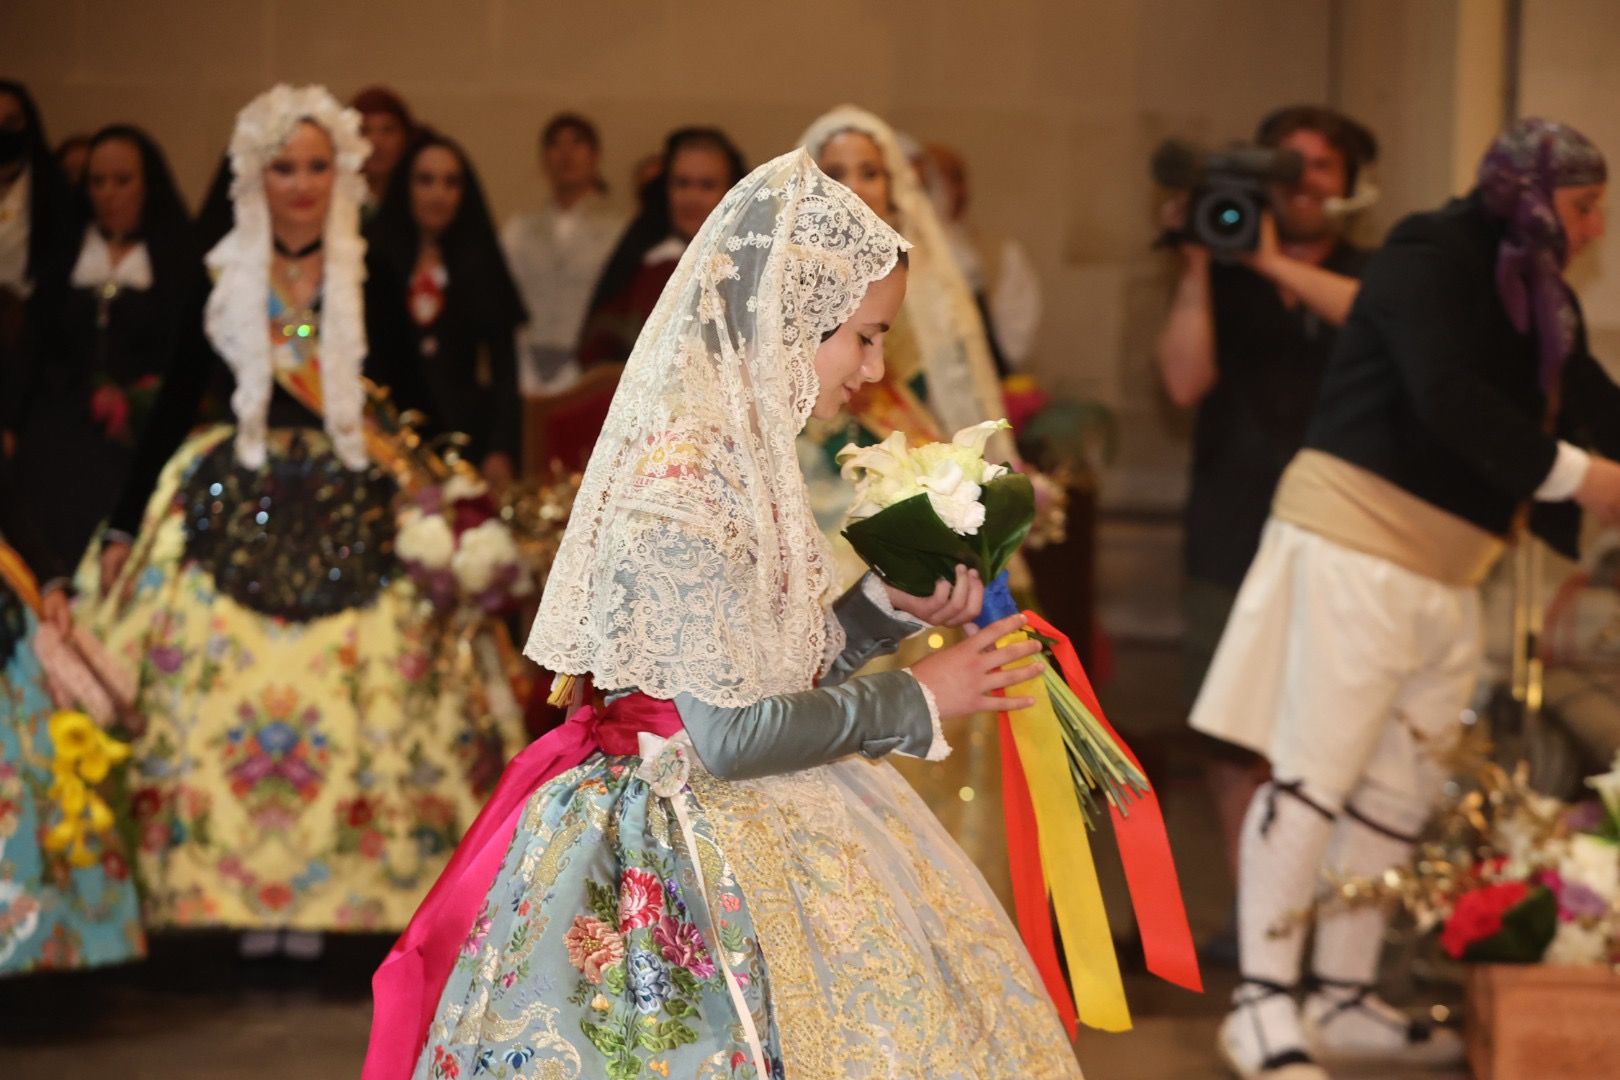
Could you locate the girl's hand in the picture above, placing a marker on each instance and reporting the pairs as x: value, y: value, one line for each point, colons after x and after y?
x: 964, y: 677
x: 57, y: 610
x: 114, y: 554
x: 953, y: 603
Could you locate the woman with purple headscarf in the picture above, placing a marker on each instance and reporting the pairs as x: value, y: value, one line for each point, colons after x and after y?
x: 1454, y: 414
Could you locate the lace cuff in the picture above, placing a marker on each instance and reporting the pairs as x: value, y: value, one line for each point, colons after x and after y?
x: 938, y: 749
x: 872, y: 588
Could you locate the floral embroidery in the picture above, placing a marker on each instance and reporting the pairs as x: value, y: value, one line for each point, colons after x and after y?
x: 592, y: 946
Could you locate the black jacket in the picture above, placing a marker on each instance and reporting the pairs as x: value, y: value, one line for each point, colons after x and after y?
x: 1432, y: 388
x: 461, y: 371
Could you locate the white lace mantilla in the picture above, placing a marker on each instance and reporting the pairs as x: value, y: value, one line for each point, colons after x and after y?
x: 692, y: 563
x: 236, y: 319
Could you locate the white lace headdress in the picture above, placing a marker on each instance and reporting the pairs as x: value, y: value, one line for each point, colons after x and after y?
x: 963, y: 389
x: 691, y: 562
x: 237, y: 319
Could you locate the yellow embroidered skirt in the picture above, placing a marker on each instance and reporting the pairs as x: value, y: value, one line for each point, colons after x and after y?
x: 315, y: 738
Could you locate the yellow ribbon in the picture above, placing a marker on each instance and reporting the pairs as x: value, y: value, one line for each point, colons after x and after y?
x: 1065, y: 850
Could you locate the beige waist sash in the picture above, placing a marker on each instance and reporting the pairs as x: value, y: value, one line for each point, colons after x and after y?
x: 1366, y: 513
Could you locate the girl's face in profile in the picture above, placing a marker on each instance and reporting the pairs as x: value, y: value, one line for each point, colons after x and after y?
x: 853, y: 159
x: 853, y: 355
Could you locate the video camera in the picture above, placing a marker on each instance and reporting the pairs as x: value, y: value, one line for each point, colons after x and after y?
x: 1228, y: 191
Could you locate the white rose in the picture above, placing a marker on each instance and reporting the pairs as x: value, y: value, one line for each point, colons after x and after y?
x: 425, y: 539
x: 1577, y: 944
x: 1592, y: 862
x: 954, y: 497
x: 483, y: 552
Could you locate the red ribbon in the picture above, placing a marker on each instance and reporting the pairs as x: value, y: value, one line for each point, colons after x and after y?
x: 1144, y: 846
x: 406, y: 988
x: 1028, y: 882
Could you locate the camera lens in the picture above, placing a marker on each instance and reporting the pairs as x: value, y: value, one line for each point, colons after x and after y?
x: 1226, y: 217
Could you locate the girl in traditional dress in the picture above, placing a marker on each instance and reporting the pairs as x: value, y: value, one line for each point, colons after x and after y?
x: 700, y: 164
x: 105, y: 323
x: 706, y: 872
x: 307, y: 758
x: 67, y: 894
x: 443, y: 307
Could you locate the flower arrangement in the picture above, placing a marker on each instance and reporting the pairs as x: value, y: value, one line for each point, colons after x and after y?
x: 920, y: 511
x: 1513, y: 876
x: 458, y: 551
x: 1546, y: 887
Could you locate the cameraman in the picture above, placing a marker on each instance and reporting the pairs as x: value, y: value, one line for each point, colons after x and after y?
x: 1246, y: 344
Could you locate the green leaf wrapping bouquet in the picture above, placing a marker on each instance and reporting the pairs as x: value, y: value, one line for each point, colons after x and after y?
x: 922, y: 511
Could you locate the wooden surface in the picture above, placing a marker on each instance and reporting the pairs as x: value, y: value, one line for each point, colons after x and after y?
x: 1543, y: 1022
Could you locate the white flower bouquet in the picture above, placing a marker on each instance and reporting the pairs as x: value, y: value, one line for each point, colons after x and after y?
x: 458, y: 551
x: 922, y: 511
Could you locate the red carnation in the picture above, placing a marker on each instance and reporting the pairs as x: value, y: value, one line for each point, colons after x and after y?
x: 1478, y: 915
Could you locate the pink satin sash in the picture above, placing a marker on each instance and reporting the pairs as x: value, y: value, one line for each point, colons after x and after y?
x: 406, y: 988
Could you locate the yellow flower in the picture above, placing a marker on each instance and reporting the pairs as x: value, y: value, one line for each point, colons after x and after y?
x: 100, y: 815
x: 72, y: 734
x: 62, y: 834
x: 101, y: 757
x: 69, y: 793
x: 81, y: 856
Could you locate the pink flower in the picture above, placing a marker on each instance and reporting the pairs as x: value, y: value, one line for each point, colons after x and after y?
x: 730, y: 902
x: 680, y: 943
x: 110, y: 408
x: 480, y: 932
x: 641, y: 900
x: 593, y: 946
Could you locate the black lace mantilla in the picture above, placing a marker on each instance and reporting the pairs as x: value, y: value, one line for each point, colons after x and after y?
x: 302, y: 538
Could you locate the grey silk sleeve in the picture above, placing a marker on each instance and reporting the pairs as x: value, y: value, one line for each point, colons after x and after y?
x: 871, y: 715
x: 872, y: 628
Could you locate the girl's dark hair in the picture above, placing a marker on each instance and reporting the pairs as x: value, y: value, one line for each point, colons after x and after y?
x: 380, y: 99
x: 163, y: 212
x: 472, y: 253
x: 653, y: 224
x: 53, y: 211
